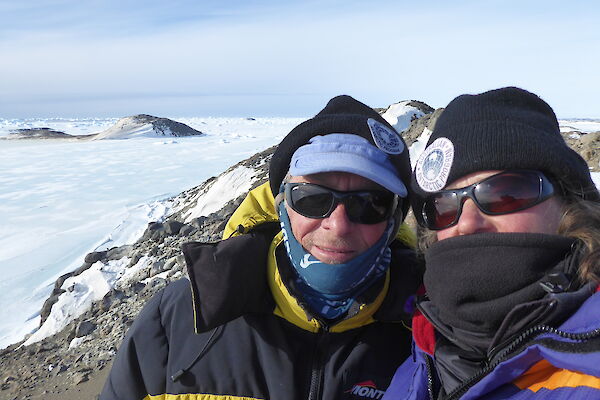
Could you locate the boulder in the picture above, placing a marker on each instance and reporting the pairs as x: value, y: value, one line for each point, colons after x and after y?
x: 95, y: 256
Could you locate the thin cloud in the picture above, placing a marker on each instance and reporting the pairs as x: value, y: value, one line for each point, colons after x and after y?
x: 186, y: 53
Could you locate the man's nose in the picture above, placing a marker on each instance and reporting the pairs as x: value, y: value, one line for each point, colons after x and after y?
x: 472, y: 220
x: 338, y: 221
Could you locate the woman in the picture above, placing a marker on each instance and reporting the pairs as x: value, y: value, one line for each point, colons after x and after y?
x: 512, y: 237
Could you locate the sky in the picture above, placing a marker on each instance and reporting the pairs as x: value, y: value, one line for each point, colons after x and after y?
x: 105, y: 58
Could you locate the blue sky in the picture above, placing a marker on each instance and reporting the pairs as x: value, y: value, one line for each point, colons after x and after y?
x: 268, y: 58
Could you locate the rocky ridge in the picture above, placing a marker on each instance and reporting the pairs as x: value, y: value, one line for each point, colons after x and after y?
x: 38, y: 133
x: 89, y: 343
x: 136, y: 125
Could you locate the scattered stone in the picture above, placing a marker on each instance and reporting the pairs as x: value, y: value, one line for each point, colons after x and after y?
x: 84, y: 328
x: 198, y: 222
x: 80, y: 377
x: 186, y: 230
x: 59, y: 369
x: 157, y: 267
x: 170, y: 263
x: 173, y: 227
x: 110, y: 298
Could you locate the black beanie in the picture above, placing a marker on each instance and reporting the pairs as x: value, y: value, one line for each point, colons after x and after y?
x: 507, y: 128
x: 342, y: 114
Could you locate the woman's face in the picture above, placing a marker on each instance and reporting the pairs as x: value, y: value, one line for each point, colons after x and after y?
x: 541, y: 218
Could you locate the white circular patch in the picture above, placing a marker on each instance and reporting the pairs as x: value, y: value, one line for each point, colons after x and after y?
x: 434, y: 164
x: 386, y: 139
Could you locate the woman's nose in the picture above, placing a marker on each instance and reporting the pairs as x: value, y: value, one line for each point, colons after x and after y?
x: 472, y: 219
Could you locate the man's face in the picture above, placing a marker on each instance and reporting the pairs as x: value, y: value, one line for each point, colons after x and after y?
x: 335, y: 239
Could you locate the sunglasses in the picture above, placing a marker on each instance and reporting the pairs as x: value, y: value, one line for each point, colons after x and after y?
x: 503, y: 193
x: 362, y: 206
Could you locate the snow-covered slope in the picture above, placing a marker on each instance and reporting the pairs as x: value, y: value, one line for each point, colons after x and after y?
x: 401, y: 114
x: 146, y: 126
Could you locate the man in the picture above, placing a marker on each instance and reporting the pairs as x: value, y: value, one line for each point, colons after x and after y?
x: 306, y: 297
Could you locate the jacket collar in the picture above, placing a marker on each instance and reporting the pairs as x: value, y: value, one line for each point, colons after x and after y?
x: 239, y: 275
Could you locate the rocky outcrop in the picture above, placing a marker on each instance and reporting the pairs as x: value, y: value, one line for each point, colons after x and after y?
x: 146, y: 125
x: 38, y: 133
x: 417, y: 126
x: 586, y: 144
x: 141, y: 125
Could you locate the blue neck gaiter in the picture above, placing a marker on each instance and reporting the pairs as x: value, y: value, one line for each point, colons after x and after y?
x: 330, y: 289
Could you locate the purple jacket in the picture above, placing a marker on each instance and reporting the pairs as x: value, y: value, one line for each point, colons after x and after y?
x: 551, y: 366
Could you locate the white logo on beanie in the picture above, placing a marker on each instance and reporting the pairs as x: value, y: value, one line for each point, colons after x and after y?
x: 385, y: 138
x: 434, y: 164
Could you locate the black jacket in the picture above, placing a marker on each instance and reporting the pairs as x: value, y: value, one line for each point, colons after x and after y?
x: 227, y: 336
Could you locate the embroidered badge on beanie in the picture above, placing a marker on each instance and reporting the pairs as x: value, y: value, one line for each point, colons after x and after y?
x: 433, y: 166
x: 385, y: 138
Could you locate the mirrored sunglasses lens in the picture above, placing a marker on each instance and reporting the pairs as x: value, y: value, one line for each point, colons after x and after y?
x: 441, y: 210
x: 508, y: 192
x: 368, y: 207
x: 311, y: 201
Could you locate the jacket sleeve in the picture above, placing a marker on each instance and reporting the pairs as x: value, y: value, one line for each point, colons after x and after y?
x: 140, y: 364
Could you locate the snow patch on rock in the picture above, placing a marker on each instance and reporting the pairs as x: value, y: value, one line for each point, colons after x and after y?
x: 227, y: 187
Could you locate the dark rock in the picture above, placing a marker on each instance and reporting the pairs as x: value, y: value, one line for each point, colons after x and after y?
x: 173, y: 227
x: 117, y: 253
x: 187, y: 230
x: 80, y: 377
x: 84, y: 267
x: 59, y: 282
x: 170, y: 263
x: 417, y: 126
x: 135, y: 257
x: 155, y: 231
x: 166, y: 126
x: 47, y: 307
x: 198, y: 223
x: 154, y: 285
x: 157, y: 267
x: 84, y: 328
x: 137, y: 287
x: 426, y: 108
x: 95, y: 256
x: 60, y: 368
x: 38, y: 133
x: 111, y: 297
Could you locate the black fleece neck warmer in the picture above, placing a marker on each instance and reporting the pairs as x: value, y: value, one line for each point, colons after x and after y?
x: 474, y: 281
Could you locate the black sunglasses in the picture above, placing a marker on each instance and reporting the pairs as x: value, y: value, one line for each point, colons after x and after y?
x: 503, y: 193
x: 362, y: 206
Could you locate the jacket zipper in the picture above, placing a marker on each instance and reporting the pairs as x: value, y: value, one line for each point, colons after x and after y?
x: 316, y: 375
x: 520, y: 341
x: 428, y: 364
